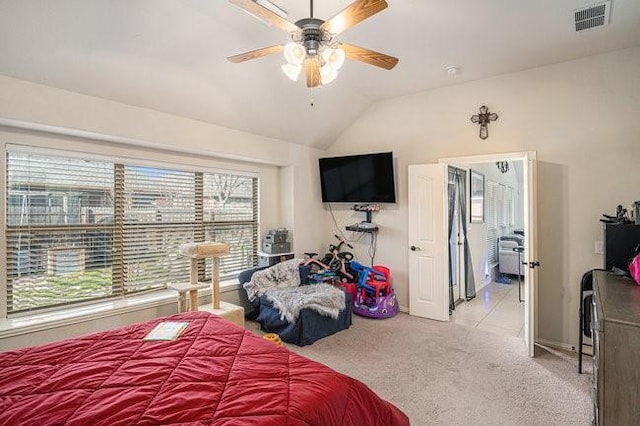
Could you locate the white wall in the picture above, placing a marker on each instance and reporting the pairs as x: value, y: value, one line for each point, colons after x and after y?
x: 283, y: 168
x: 173, y: 139
x: 582, y: 119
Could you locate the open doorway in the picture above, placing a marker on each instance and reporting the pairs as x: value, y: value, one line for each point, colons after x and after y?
x: 495, y: 235
x: 428, y: 242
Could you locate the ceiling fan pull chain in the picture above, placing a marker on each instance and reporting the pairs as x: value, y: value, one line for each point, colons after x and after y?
x: 311, y: 8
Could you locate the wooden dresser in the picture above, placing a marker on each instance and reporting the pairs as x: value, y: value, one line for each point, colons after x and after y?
x: 616, y: 343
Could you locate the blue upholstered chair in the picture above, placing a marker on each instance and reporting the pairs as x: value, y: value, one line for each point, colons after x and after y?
x: 309, y: 327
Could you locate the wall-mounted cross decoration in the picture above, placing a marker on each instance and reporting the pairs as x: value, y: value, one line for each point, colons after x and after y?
x: 484, y: 117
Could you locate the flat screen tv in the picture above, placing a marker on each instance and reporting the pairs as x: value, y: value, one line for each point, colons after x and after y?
x: 364, y: 178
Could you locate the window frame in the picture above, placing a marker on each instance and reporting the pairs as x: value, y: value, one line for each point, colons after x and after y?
x: 120, y: 286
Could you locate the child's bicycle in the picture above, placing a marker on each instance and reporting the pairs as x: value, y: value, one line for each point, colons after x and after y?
x: 318, y: 271
x: 338, y: 260
x: 335, y: 261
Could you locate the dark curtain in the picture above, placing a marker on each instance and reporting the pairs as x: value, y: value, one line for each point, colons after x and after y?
x: 457, y: 198
x: 471, y: 284
x: 452, y: 204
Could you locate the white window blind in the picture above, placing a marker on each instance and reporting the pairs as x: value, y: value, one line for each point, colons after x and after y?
x: 230, y: 206
x: 58, y: 230
x: 159, y: 215
x: 510, y: 206
x: 79, y: 230
x: 492, y: 231
x: 499, y: 193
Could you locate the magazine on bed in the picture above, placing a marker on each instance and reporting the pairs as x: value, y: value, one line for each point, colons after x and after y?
x: 167, y: 330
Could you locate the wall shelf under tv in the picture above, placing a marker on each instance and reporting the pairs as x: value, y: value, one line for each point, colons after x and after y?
x: 357, y: 227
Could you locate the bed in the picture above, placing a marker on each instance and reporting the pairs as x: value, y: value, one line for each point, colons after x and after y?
x: 214, y: 373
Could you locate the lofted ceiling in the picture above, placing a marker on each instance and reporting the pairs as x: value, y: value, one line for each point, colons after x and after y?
x: 170, y: 55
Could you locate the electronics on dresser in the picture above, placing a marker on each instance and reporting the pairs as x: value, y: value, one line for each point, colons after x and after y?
x: 364, y: 178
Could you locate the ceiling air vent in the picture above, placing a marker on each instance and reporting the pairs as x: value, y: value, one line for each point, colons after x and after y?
x: 594, y: 15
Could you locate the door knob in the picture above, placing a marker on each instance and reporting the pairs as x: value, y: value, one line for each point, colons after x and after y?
x: 414, y: 248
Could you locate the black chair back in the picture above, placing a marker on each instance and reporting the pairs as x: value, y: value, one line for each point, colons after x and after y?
x: 584, y: 313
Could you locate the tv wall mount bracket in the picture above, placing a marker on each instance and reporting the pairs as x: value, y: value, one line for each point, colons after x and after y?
x: 368, y: 209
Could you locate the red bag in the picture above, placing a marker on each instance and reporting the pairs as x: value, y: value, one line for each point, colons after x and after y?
x: 634, y: 268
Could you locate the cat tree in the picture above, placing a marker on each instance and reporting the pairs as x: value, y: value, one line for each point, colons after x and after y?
x: 195, y: 252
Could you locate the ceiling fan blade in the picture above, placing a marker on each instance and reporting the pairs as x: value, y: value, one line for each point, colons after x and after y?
x: 353, y: 14
x: 370, y: 57
x: 312, y: 69
x: 265, y: 14
x: 258, y: 53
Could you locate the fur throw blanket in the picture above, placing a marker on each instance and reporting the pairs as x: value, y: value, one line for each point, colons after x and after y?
x: 325, y: 299
x: 281, y: 275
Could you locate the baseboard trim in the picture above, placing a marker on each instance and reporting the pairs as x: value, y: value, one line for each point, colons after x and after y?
x: 556, y: 345
x: 404, y: 309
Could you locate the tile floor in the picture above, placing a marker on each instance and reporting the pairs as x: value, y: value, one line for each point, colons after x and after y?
x: 495, y: 309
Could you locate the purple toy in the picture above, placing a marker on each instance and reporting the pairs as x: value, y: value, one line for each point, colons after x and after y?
x: 376, y: 307
x: 366, y: 303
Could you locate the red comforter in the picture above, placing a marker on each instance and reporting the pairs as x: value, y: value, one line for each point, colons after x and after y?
x: 215, y: 373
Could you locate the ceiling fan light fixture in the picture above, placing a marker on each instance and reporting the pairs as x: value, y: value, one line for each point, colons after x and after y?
x: 294, y: 53
x: 292, y: 71
x: 334, y: 57
x: 327, y: 74
x: 312, y: 42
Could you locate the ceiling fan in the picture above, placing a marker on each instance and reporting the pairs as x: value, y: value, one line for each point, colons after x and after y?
x: 313, y: 46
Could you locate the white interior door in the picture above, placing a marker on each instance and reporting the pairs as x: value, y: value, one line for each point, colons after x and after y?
x: 530, y: 230
x: 428, y: 245
x: 530, y: 249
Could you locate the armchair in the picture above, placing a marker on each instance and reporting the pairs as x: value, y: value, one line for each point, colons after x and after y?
x: 310, y: 325
x: 510, y: 255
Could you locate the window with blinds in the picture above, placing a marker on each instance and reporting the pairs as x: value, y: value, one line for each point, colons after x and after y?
x: 58, y: 230
x: 230, y: 208
x: 79, y: 230
x: 492, y: 223
x: 500, y: 216
x: 159, y: 208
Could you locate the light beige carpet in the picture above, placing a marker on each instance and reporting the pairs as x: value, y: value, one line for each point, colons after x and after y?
x: 447, y: 374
